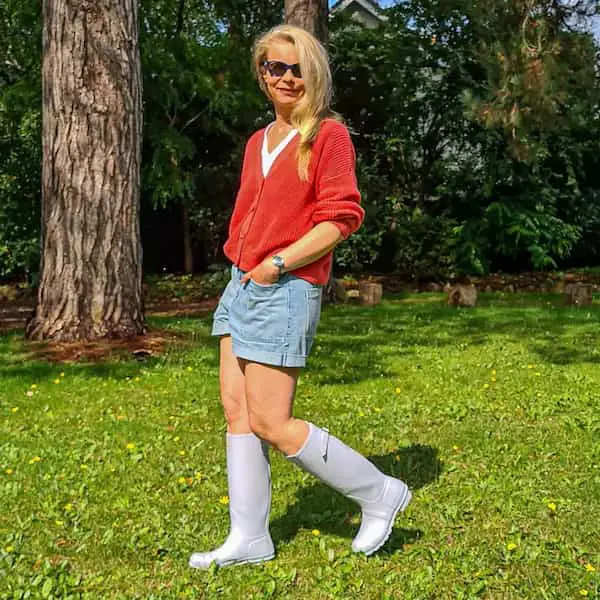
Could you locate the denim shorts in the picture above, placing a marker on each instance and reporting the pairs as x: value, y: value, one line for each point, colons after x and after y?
x: 271, y: 324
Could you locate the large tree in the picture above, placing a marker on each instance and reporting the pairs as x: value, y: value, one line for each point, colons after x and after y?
x: 308, y: 14
x: 91, y: 268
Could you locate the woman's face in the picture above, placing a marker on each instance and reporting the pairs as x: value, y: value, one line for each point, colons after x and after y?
x: 285, y: 90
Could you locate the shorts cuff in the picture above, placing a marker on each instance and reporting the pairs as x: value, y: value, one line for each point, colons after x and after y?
x: 277, y: 359
x: 220, y: 328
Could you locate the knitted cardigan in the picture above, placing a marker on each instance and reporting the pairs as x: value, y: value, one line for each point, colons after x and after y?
x: 273, y: 212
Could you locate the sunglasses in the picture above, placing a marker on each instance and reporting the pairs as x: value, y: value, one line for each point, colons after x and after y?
x: 277, y: 68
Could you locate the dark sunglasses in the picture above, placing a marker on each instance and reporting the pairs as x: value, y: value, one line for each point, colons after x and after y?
x: 277, y: 68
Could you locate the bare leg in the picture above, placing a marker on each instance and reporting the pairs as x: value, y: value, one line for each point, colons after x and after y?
x: 248, y: 475
x: 270, y: 398
x: 270, y: 395
x: 233, y: 393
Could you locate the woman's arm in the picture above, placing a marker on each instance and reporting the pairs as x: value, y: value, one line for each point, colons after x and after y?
x: 318, y: 242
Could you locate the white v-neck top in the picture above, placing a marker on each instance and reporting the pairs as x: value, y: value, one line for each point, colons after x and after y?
x: 268, y: 158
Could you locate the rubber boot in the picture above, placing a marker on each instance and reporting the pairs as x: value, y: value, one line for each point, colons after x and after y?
x: 380, y: 497
x: 249, y: 478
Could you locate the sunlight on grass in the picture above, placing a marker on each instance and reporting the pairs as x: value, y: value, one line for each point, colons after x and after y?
x: 112, y: 473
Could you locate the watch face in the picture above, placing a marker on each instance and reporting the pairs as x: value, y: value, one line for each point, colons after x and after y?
x: 278, y: 261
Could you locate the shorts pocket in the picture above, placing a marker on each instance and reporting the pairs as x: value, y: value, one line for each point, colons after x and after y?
x: 266, y: 315
x: 262, y: 286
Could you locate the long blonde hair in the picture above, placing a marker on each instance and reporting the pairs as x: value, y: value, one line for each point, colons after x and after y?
x: 314, y: 105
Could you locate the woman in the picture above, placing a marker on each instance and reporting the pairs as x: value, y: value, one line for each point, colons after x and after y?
x: 297, y: 199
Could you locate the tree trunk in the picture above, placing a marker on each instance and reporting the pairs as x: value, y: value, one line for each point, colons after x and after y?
x: 91, y: 268
x: 310, y: 15
x: 188, y: 250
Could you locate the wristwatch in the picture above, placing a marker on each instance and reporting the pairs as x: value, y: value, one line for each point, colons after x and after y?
x: 279, y: 263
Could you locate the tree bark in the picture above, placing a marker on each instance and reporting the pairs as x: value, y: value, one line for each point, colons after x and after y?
x: 310, y: 15
x: 91, y: 268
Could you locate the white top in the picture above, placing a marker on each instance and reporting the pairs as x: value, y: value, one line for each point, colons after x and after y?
x: 268, y: 158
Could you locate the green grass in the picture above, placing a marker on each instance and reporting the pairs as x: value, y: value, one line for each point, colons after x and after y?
x: 111, y: 475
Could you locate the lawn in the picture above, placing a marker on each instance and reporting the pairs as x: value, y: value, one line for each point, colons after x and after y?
x: 112, y: 473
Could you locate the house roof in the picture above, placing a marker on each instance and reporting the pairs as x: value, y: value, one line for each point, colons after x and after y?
x: 369, y: 5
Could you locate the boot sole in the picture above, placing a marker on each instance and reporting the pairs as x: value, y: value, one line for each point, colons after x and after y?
x: 235, y: 562
x: 248, y: 561
x: 404, y: 502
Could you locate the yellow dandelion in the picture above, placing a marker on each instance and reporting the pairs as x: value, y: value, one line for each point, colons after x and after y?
x: 59, y: 523
x: 181, y: 480
x: 130, y: 446
x: 9, y: 471
x: 583, y: 593
x: 33, y: 386
x: 590, y: 568
x: 57, y: 381
x: 68, y: 507
x: 190, y: 369
x: 84, y: 467
x: 176, y: 438
x: 377, y: 410
x: 493, y: 372
x: 531, y: 366
x: 62, y: 374
x: 511, y: 546
x: 486, y: 386
x: 398, y: 390
x: 538, y: 374
x: 455, y: 448
x: 198, y: 476
x: 224, y: 500
x: 9, y: 549
x: 182, y: 453
x: 316, y: 532
x: 35, y: 459
x: 552, y: 506
x: 14, y: 409
x: 137, y: 379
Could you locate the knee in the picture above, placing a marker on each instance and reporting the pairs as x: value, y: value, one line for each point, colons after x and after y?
x: 264, y: 428
x: 233, y: 408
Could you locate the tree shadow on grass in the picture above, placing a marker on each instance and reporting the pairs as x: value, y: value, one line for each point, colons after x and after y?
x: 317, y: 506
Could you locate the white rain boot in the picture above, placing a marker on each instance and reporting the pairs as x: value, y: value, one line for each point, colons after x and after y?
x: 249, y: 478
x: 380, y: 497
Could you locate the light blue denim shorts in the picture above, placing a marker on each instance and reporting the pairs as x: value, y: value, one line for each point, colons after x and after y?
x: 271, y: 324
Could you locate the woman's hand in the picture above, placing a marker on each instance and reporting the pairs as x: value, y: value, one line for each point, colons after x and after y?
x: 266, y: 273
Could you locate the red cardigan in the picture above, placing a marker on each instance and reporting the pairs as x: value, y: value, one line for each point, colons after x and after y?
x: 273, y: 212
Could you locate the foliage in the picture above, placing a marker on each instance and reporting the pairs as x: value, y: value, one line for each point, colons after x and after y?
x: 115, y: 472
x: 477, y: 121
x: 465, y: 121
x: 20, y: 134
x: 201, y: 104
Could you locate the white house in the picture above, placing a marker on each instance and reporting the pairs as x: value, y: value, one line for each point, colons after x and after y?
x: 365, y: 12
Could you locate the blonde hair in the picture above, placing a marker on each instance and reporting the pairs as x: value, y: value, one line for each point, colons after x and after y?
x: 314, y: 105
